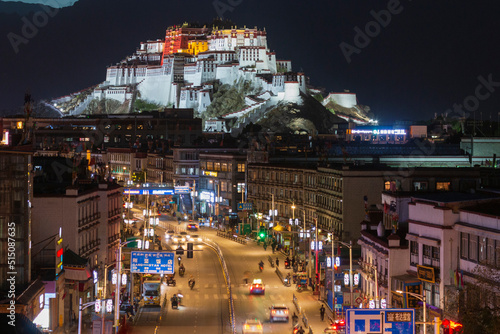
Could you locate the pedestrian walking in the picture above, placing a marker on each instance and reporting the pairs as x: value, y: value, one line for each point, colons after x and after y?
x: 322, y: 312
x: 277, y: 262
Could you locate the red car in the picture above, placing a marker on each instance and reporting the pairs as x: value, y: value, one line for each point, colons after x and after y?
x: 257, y: 288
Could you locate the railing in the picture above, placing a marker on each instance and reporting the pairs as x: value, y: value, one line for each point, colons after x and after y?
x: 230, y: 236
x: 271, y: 261
x: 305, y: 321
x: 216, y: 248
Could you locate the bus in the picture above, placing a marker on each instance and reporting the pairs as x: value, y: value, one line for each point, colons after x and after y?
x: 151, y: 292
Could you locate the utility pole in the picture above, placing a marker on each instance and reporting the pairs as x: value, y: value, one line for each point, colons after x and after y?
x: 194, y: 197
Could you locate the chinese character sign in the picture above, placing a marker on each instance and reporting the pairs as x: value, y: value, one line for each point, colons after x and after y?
x: 147, y: 262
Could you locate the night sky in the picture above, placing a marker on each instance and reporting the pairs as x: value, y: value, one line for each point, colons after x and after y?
x: 422, y: 59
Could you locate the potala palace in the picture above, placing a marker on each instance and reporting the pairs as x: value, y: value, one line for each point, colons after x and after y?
x: 181, y: 70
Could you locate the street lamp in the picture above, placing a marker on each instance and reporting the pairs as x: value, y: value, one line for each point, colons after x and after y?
x: 350, y: 267
x: 422, y: 298
x: 82, y: 307
x: 117, y: 286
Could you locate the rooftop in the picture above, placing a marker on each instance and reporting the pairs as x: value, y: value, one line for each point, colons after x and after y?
x: 452, y: 197
x: 490, y: 208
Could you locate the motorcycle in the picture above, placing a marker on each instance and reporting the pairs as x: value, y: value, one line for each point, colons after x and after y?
x: 181, y: 271
x: 261, y: 267
x: 297, y: 329
x: 287, y: 264
x: 171, y: 281
x: 191, y: 284
x: 175, y: 303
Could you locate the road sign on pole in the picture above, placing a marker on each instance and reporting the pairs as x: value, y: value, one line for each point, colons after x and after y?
x: 152, y: 262
x: 245, y: 206
x: 383, y: 321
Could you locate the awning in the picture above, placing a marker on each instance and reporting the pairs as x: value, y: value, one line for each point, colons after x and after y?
x: 77, y: 274
x: 278, y: 228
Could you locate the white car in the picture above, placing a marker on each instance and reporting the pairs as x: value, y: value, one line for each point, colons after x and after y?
x: 195, y: 238
x: 179, y: 239
x: 252, y: 326
x: 278, y: 313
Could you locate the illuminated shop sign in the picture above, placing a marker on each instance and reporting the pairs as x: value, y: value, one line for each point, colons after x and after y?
x: 380, y: 131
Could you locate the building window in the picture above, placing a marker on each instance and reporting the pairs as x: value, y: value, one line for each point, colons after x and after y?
x: 224, y: 167
x: 413, y: 253
x: 420, y: 186
x: 427, y: 252
x: 210, y: 165
x: 465, y: 246
x: 490, y: 249
x: 473, y: 248
x: 443, y: 186
x: 223, y: 186
x: 241, y: 168
x: 497, y: 251
x: 217, y: 166
x: 482, y: 249
x: 435, y: 257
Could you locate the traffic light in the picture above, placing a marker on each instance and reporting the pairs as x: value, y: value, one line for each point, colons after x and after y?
x: 179, y: 250
x: 190, y: 250
x: 262, y: 233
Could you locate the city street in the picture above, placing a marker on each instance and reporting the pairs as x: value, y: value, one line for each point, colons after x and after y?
x: 206, y: 308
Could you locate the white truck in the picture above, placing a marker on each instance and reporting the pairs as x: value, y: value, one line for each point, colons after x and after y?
x: 151, y: 292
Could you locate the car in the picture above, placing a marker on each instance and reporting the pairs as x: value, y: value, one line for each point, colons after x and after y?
x: 257, y: 288
x: 338, y: 327
x: 252, y: 326
x: 179, y: 239
x: 278, y: 313
x: 195, y: 238
x: 192, y: 227
x: 185, y: 235
x: 169, y: 234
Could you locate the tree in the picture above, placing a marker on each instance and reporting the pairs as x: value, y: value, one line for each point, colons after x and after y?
x: 480, y: 312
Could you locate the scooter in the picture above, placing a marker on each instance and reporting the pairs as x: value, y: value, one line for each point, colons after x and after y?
x: 191, y: 284
x: 261, y: 267
x: 288, y: 280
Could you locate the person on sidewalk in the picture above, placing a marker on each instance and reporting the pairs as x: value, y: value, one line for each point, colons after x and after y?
x: 322, y: 312
x: 277, y: 262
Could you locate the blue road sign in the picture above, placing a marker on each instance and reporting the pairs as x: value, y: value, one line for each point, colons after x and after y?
x: 150, y: 191
x: 145, y: 262
x: 245, y: 206
x: 182, y: 190
x: 383, y: 321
